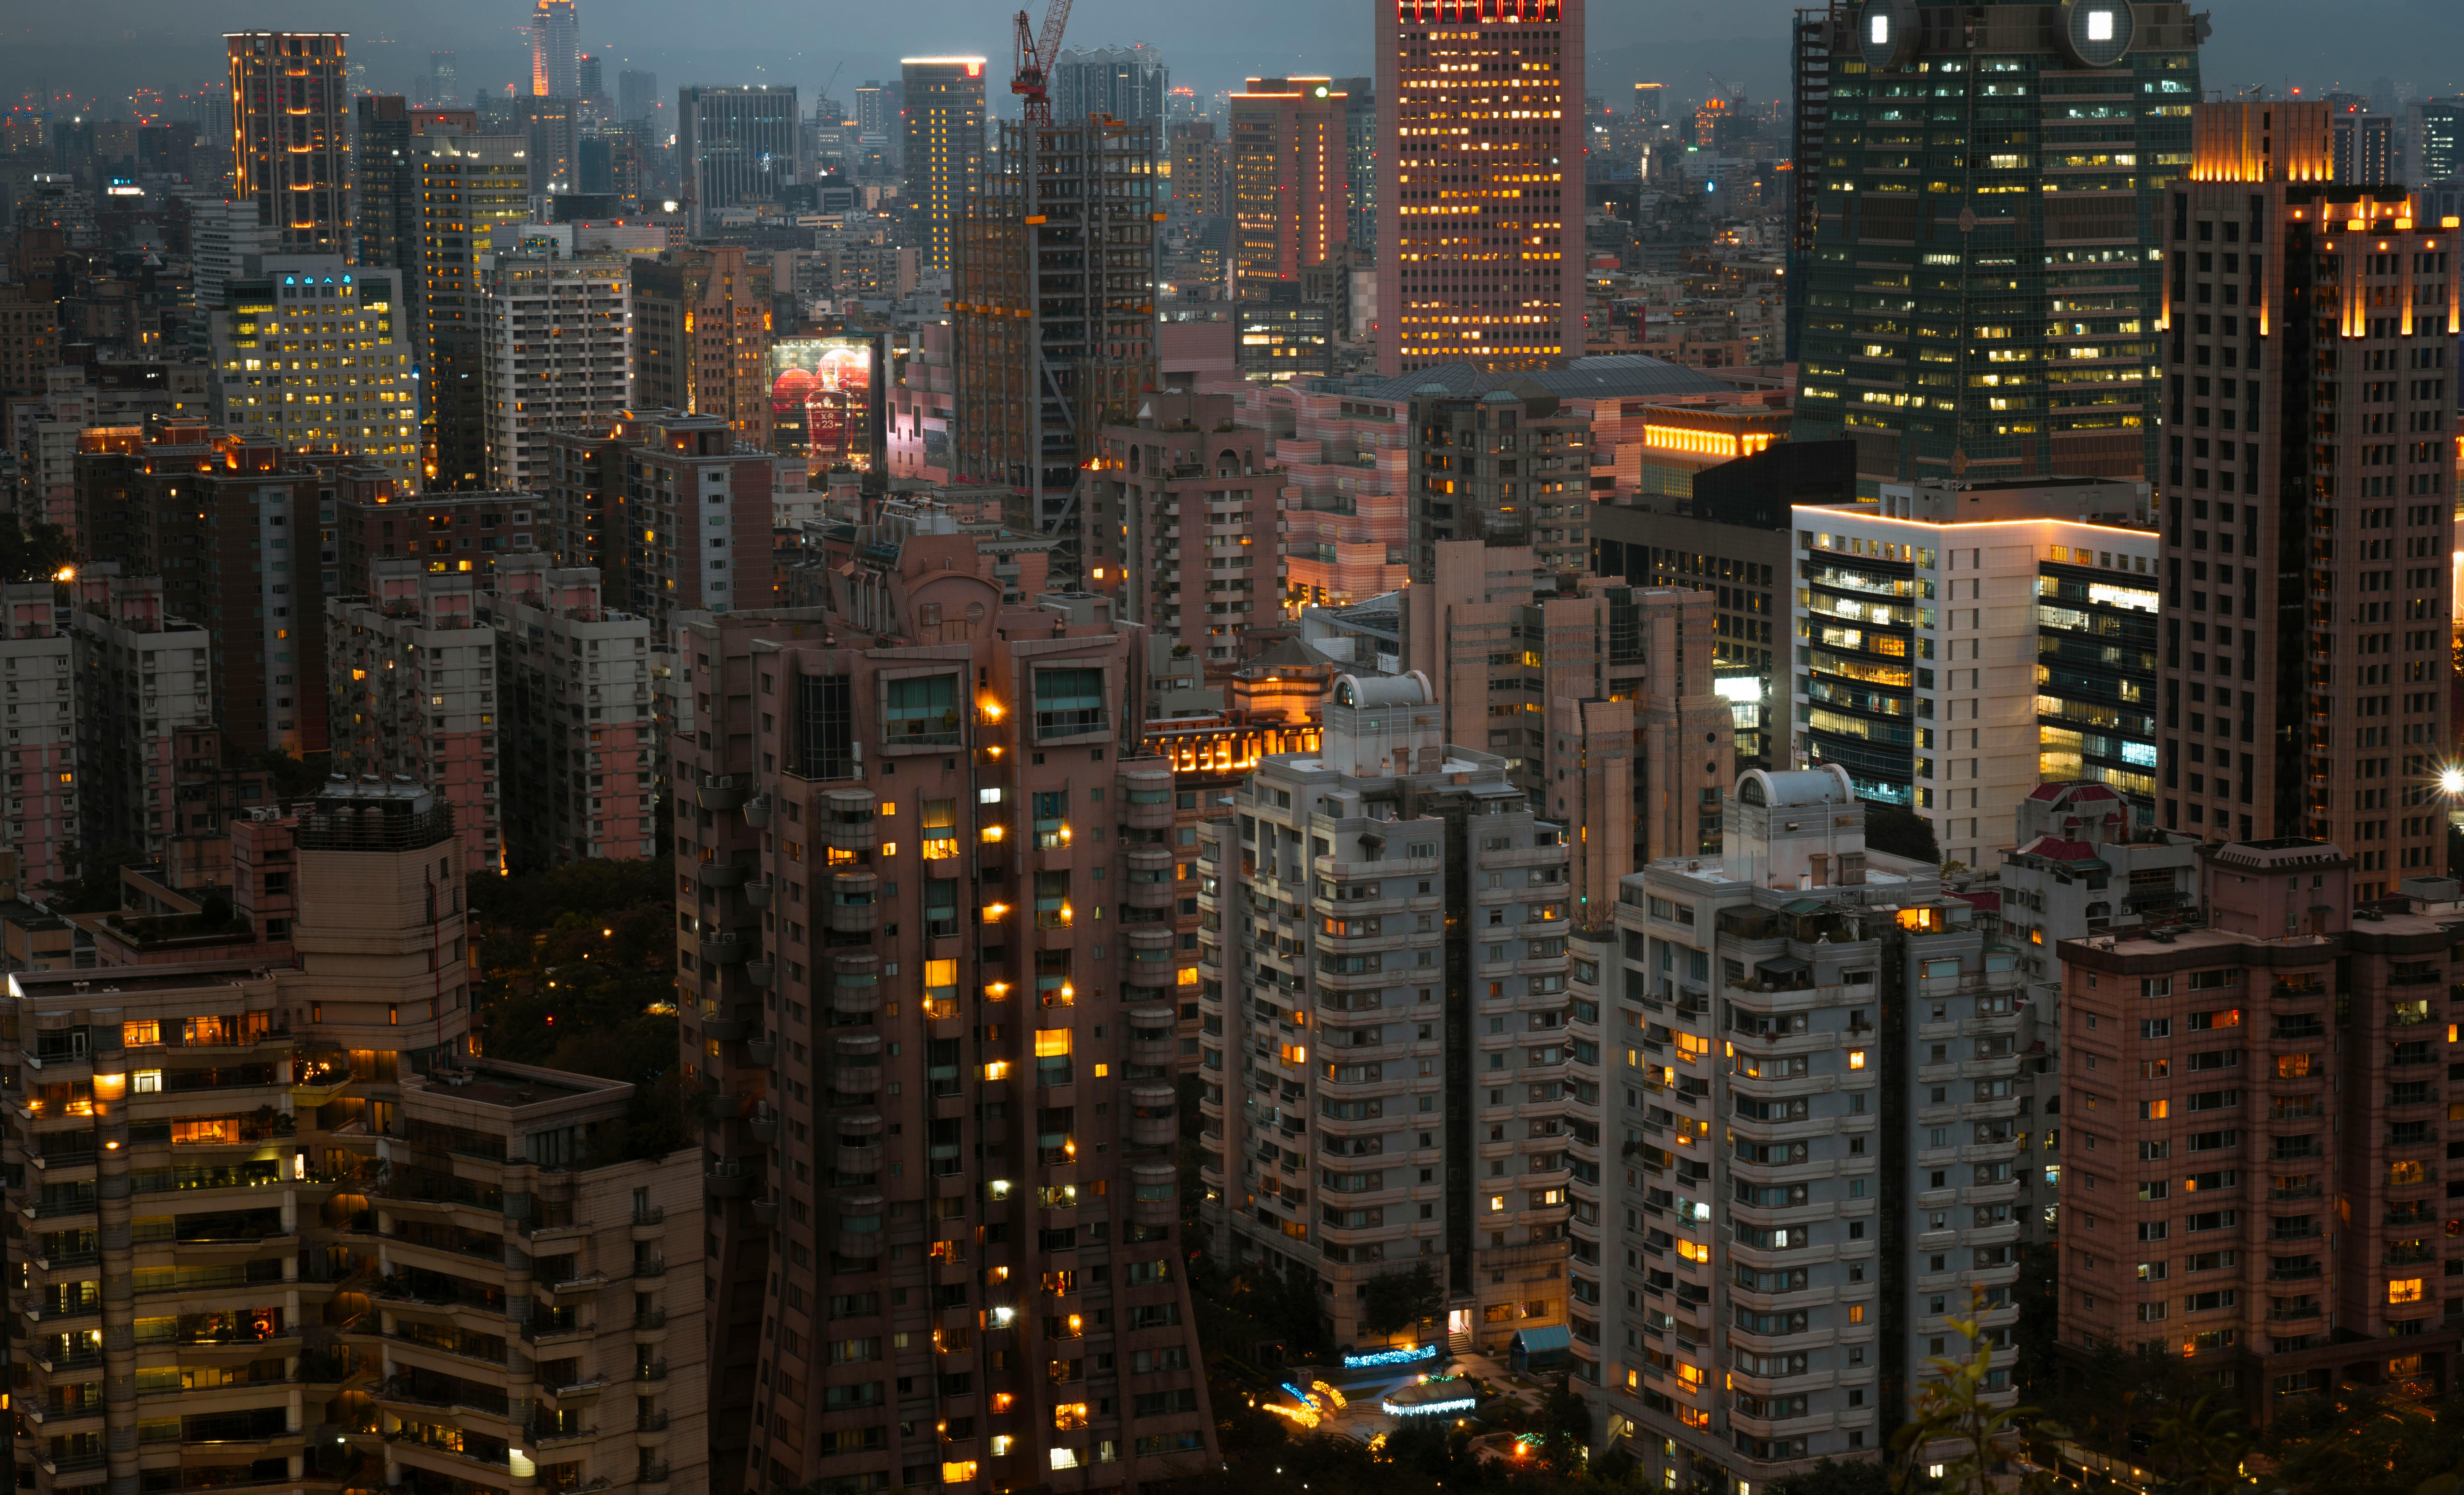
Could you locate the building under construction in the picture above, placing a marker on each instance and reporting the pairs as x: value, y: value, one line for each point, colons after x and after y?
x: 1052, y: 309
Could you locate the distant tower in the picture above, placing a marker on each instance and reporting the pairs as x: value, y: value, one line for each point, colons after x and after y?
x: 637, y: 94
x: 289, y: 135
x: 556, y: 50
x: 592, y: 83
x: 444, y: 79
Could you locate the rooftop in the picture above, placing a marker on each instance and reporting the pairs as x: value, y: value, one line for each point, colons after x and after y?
x: 1603, y: 377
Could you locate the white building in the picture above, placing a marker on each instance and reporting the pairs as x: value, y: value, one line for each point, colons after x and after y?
x: 1384, y: 1055
x: 1922, y: 624
x: 223, y: 238
x: 558, y: 347
x: 576, y: 691
x: 314, y: 352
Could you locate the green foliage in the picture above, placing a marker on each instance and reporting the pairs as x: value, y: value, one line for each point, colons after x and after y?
x: 292, y: 777
x: 1243, y: 1310
x: 95, y: 886
x: 1396, y: 1301
x: 31, y: 553
x: 1900, y: 831
x: 1952, y: 1423
x: 1832, y: 1477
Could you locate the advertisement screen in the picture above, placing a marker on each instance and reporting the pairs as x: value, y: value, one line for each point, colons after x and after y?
x: 820, y: 401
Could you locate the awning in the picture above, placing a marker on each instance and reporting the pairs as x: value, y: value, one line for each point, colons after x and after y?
x: 1548, y: 1339
x: 1804, y: 905
x: 1782, y: 965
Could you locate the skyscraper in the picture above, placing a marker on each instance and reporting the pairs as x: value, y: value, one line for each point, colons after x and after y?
x: 290, y: 139
x: 2020, y: 348
x: 637, y: 94
x: 737, y: 145
x: 590, y: 82
x: 1291, y: 207
x: 943, y: 153
x: 558, y: 351
x: 1361, y: 164
x: 1128, y: 83
x: 471, y: 188
x: 556, y: 50
x: 2306, y: 499
x: 701, y: 337
x: 385, y: 210
x: 1480, y: 184
x: 295, y: 311
x: 444, y: 79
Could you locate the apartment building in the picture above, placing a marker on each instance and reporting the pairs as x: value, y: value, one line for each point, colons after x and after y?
x: 2253, y: 1135
x: 1174, y: 468
x: 916, y: 1002
x: 2318, y: 319
x: 467, y: 533
x: 1503, y: 468
x: 412, y: 672
x: 1384, y: 1073
x: 1935, y: 701
x: 701, y: 337
x: 578, y: 752
x: 673, y: 509
x: 556, y: 348
x: 346, y: 1206
x: 37, y: 670
x: 473, y: 195
x: 315, y: 353
x: 1824, y: 1142
x: 142, y: 682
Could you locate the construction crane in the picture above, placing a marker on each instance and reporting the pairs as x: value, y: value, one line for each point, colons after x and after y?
x: 1036, y: 55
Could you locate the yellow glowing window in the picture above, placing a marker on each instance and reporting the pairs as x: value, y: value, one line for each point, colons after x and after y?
x: 1051, y: 1042
x: 1856, y: 1059
x: 943, y: 973
x: 2405, y: 1290
x: 959, y: 1471
x: 1855, y: 1313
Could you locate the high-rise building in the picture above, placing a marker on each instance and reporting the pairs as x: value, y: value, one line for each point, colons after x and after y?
x: 2306, y: 498
x: 1480, y: 183
x: 1827, y: 1142
x: 737, y: 145
x: 2364, y: 145
x: 590, y: 80
x: 941, y: 150
x: 312, y: 354
x: 1505, y: 468
x: 1288, y: 166
x: 414, y: 675
x: 386, y: 201
x: 291, y: 139
x: 38, y: 655
x: 553, y: 124
x: 1920, y: 693
x: 1405, y: 1104
x: 1200, y: 182
x: 876, y: 111
x: 1052, y: 341
x: 2005, y: 250
x: 673, y: 511
x: 1184, y: 531
x: 701, y: 337
x: 221, y: 236
x: 575, y: 687
x: 443, y: 79
x: 1126, y: 83
x: 363, y: 1015
x: 472, y: 189
x: 637, y: 94
x: 2252, y: 1188
x: 2433, y: 143
x: 556, y: 50
x: 915, y: 818
x: 557, y: 349
x: 1813, y: 38
x: 142, y: 682
x: 1360, y: 166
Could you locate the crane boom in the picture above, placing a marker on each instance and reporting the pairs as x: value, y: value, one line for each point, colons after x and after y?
x: 1036, y: 55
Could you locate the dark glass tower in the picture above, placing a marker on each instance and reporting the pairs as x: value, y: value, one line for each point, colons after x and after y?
x: 1984, y: 284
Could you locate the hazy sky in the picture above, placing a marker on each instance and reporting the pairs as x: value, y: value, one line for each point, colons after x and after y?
x: 115, y: 45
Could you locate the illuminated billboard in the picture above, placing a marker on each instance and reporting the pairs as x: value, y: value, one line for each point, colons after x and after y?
x: 821, y: 401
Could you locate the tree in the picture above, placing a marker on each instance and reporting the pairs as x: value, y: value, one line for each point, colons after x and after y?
x: 1565, y: 1430
x: 1831, y: 1477
x: 94, y: 888
x: 34, y: 553
x: 1397, y: 1301
x: 1900, y: 831
x: 1955, y: 1426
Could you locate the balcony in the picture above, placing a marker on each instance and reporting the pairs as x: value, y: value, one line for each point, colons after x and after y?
x: 721, y: 791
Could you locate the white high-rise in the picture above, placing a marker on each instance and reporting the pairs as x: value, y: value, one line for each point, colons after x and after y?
x: 558, y: 348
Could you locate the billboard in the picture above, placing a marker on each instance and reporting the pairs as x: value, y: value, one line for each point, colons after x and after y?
x: 823, y: 392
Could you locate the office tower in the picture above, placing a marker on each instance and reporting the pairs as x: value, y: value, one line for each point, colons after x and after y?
x: 1200, y: 185
x: 2433, y: 143
x: 1813, y: 38
x: 1795, y: 979
x: 1505, y: 467
x: 1480, y: 187
x: 1185, y: 534
x: 556, y: 351
x: 314, y: 355
x: 1052, y: 341
x: 590, y: 79
x: 701, y: 337
x: 737, y: 145
x: 414, y: 675
x: 916, y: 816
x: 2364, y: 147
x: 222, y: 236
x: 574, y: 677
x: 1287, y: 165
x: 362, y: 1019
x: 1938, y: 399
x: 1359, y: 166
x: 941, y: 150
x: 552, y: 126
x: 387, y: 228
x: 290, y: 136
x: 1608, y: 719
x: 1904, y: 679
x: 142, y: 681
x: 443, y: 79
x: 1388, y: 835
x: 637, y: 94
x: 2265, y: 1203
x: 672, y: 510
x: 875, y: 113
x: 1126, y: 83
x: 37, y: 656
x: 556, y: 50
x: 472, y: 189
x: 2305, y: 587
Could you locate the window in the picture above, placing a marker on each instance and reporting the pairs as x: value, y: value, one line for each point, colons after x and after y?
x: 921, y: 713
x: 1069, y: 702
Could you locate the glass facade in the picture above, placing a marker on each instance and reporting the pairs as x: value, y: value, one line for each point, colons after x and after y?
x: 1978, y: 301
x: 1866, y: 605
x: 2096, y: 676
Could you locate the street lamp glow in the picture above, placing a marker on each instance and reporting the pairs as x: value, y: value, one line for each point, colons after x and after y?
x: 2451, y: 780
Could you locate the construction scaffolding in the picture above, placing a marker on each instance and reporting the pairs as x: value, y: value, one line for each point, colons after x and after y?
x: 1052, y: 309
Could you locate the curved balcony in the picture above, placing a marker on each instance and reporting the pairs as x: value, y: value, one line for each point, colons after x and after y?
x: 1150, y: 878
x: 847, y: 823
x: 761, y: 972
x: 726, y: 949
x: 721, y: 791
x: 1147, y: 795
x: 1154, y: 1198
x: 856, y: 1068
x: 727, y: 1180
x: 856, y: 1232
x: 1151, y: 1035
x: 757, y: 812
x: 1153, y: 1119
x: 855, y: 985
x: 723, y: 874
x: 757, y: 894
x: 763, y: 1051
x: 859, y: 1148
x: 855, y: 906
